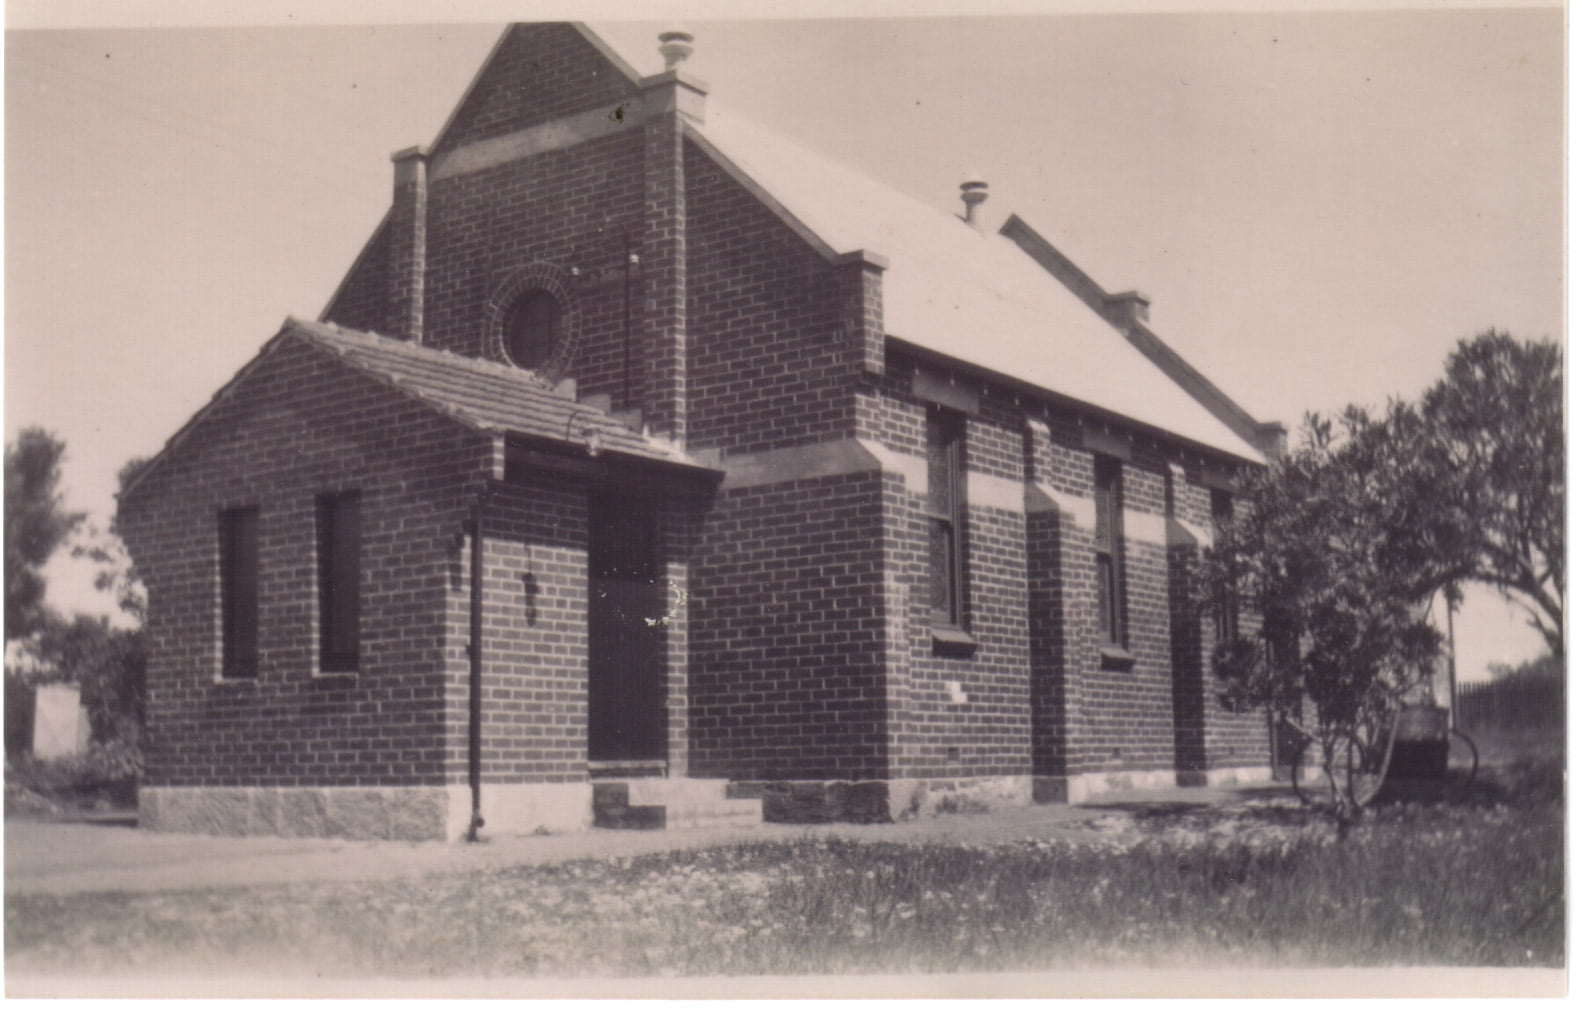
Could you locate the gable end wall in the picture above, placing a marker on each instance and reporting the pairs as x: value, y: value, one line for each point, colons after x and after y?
x: 363, y: 301
x: 538, y: 73
x: 775, y: 332
x: 298, y: 425
x: 575, y: 208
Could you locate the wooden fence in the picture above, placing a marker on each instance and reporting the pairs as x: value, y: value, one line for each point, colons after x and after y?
x: 1526, y: 703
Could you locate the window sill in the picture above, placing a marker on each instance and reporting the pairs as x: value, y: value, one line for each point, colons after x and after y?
x: 952, y: 641
x: 221, y: 680
x: 336, y: 674
x: 1116, y: 657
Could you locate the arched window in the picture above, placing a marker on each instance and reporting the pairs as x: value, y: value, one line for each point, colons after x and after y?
x: 532, y: 328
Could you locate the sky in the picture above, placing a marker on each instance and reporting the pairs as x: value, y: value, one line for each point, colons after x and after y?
x: 1319, y: 204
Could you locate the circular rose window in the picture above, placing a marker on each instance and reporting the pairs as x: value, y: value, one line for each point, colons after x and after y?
x: 533, y: 329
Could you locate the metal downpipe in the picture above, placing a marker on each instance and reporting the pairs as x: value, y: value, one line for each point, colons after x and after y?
x: 474, y: 687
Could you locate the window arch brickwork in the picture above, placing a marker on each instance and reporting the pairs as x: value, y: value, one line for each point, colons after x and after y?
x: 547, y: 278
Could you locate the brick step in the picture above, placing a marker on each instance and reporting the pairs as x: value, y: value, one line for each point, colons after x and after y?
x: 661, y: 791
x: 718, y: 813
x: 658, y: 791
x: 670, y: 803
x: 629, y: 817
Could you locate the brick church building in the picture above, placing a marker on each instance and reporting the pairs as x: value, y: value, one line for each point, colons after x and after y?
x: 647, y: 468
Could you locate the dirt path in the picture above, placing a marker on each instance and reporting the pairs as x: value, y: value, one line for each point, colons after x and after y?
x: 61, y: 858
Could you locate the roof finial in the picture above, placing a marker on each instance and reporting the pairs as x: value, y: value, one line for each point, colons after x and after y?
x: 675, y: 46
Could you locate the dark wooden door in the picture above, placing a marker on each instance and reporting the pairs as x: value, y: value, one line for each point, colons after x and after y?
x: 625, y: 632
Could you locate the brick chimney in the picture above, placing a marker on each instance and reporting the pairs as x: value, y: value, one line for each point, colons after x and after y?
x: 408, y: 243
x: 1126, y: 308
x: 974, y: 192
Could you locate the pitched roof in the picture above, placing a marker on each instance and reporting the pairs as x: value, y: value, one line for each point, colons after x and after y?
x: 483, y: 395
x: 971, y: 295
x: 974, y: 296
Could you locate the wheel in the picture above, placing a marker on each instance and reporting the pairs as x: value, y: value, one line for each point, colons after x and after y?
x: 1462, y: 753
x: 1309, y: 778
x: 1301, y: 765
x: 1361, y: 766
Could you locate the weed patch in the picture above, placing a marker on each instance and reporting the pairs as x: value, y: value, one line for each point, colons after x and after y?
x: 1264, y: 884
x: 100, y: 777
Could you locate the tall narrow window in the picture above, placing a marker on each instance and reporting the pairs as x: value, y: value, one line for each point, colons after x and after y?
x: 946, y: 514
x: 339, y: 581
x: 1228, y: 596
x: 1110, y: 550
x: 238, y: 592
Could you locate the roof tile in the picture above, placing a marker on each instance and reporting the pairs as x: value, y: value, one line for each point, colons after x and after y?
x: 481, y: 394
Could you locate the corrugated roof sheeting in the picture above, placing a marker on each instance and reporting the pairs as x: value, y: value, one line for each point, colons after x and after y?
x: 971, y: 295
x: 949, y: 288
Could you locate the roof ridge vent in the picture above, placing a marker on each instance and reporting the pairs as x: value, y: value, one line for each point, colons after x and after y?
x: 676, y: 47
x: 974, y: 192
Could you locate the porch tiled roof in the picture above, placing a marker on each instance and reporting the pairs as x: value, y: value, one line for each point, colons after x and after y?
x: 480, y: 394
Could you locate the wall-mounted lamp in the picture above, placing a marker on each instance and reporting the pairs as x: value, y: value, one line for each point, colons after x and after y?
x: 589, y: 435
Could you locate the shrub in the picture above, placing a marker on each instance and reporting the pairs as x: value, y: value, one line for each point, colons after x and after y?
x: 105, y: 772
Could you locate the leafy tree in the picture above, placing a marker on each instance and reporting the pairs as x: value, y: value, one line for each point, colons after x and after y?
x: 108, y: 663
x: 36, y: 524
x: 1340, y: 546
x: 117, y: 573
x: 1542, y: 667
x: 1489, y: 454
x: 1341, y: 627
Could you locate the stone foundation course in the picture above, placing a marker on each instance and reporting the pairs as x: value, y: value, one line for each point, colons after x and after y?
x: 415, y: 813
x: 881, y: 801
x: 364, y: 814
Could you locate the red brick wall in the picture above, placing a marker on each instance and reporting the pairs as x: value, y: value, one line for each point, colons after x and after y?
x: 1130, y: 711
x: 1209, y: 735
x: 572, y: 207
x: 534, y: 637
x: 809, y: 638
x: 1041, y: 699
x: 1062, y: 578
x: 773, y: 327
x: 407, y: 230
x: 581, y: 208
x: 363, y: 299
x: 539, y: 73
x: 989, y: 733
x: 665, y: 298
x: 681, y: 523
x: 786, y: 671
x: 757, y: 353
x: 300, y: 425
x: 492, y: 222
x: 535, y: 647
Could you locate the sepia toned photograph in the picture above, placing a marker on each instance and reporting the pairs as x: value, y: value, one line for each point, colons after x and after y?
x: 1057, y: 502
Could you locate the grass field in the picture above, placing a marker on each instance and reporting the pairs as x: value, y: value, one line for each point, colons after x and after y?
x: 1475, y: 882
